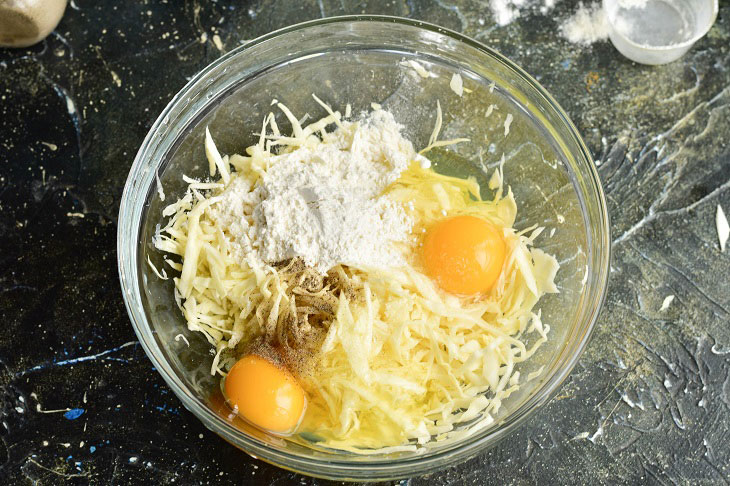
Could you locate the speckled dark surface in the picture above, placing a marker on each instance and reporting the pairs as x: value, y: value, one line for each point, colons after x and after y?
x: 80, y: 403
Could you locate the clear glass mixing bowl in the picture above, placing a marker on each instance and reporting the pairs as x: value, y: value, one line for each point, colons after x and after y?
x: 359, y: 60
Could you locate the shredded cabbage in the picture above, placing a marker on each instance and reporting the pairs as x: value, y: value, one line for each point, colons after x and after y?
x: 401, y: 363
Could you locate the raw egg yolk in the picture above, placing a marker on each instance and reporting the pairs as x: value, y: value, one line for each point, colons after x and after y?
x: 264, y: 394
x: 464, y: 254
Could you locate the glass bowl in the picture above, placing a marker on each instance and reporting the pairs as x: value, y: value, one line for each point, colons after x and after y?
x: 359, y: 60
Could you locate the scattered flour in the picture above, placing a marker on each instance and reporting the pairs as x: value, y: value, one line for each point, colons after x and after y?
x: 586, y: 26
x: 505, y: 12
x: 547, y: 6
x: 324, y: 202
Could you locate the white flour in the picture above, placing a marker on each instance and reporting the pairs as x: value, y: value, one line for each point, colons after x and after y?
x: 324, y: 203
x: 505, y: 12
x: 587, y: 25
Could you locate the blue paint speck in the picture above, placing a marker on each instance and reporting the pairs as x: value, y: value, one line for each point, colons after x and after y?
x: 92, y: 449
x: 74, y: 413
x: 565, y: 63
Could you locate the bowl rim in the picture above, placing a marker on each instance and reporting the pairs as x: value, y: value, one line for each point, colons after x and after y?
x: 334, y: 468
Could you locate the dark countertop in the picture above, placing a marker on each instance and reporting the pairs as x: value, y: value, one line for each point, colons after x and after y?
x: 80, y: 402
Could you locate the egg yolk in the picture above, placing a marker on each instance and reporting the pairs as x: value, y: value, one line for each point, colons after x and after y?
x: 264, y: 394
x: 464, y: 254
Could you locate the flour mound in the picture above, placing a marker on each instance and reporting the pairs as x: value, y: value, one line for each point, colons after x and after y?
x: 324, y: 202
